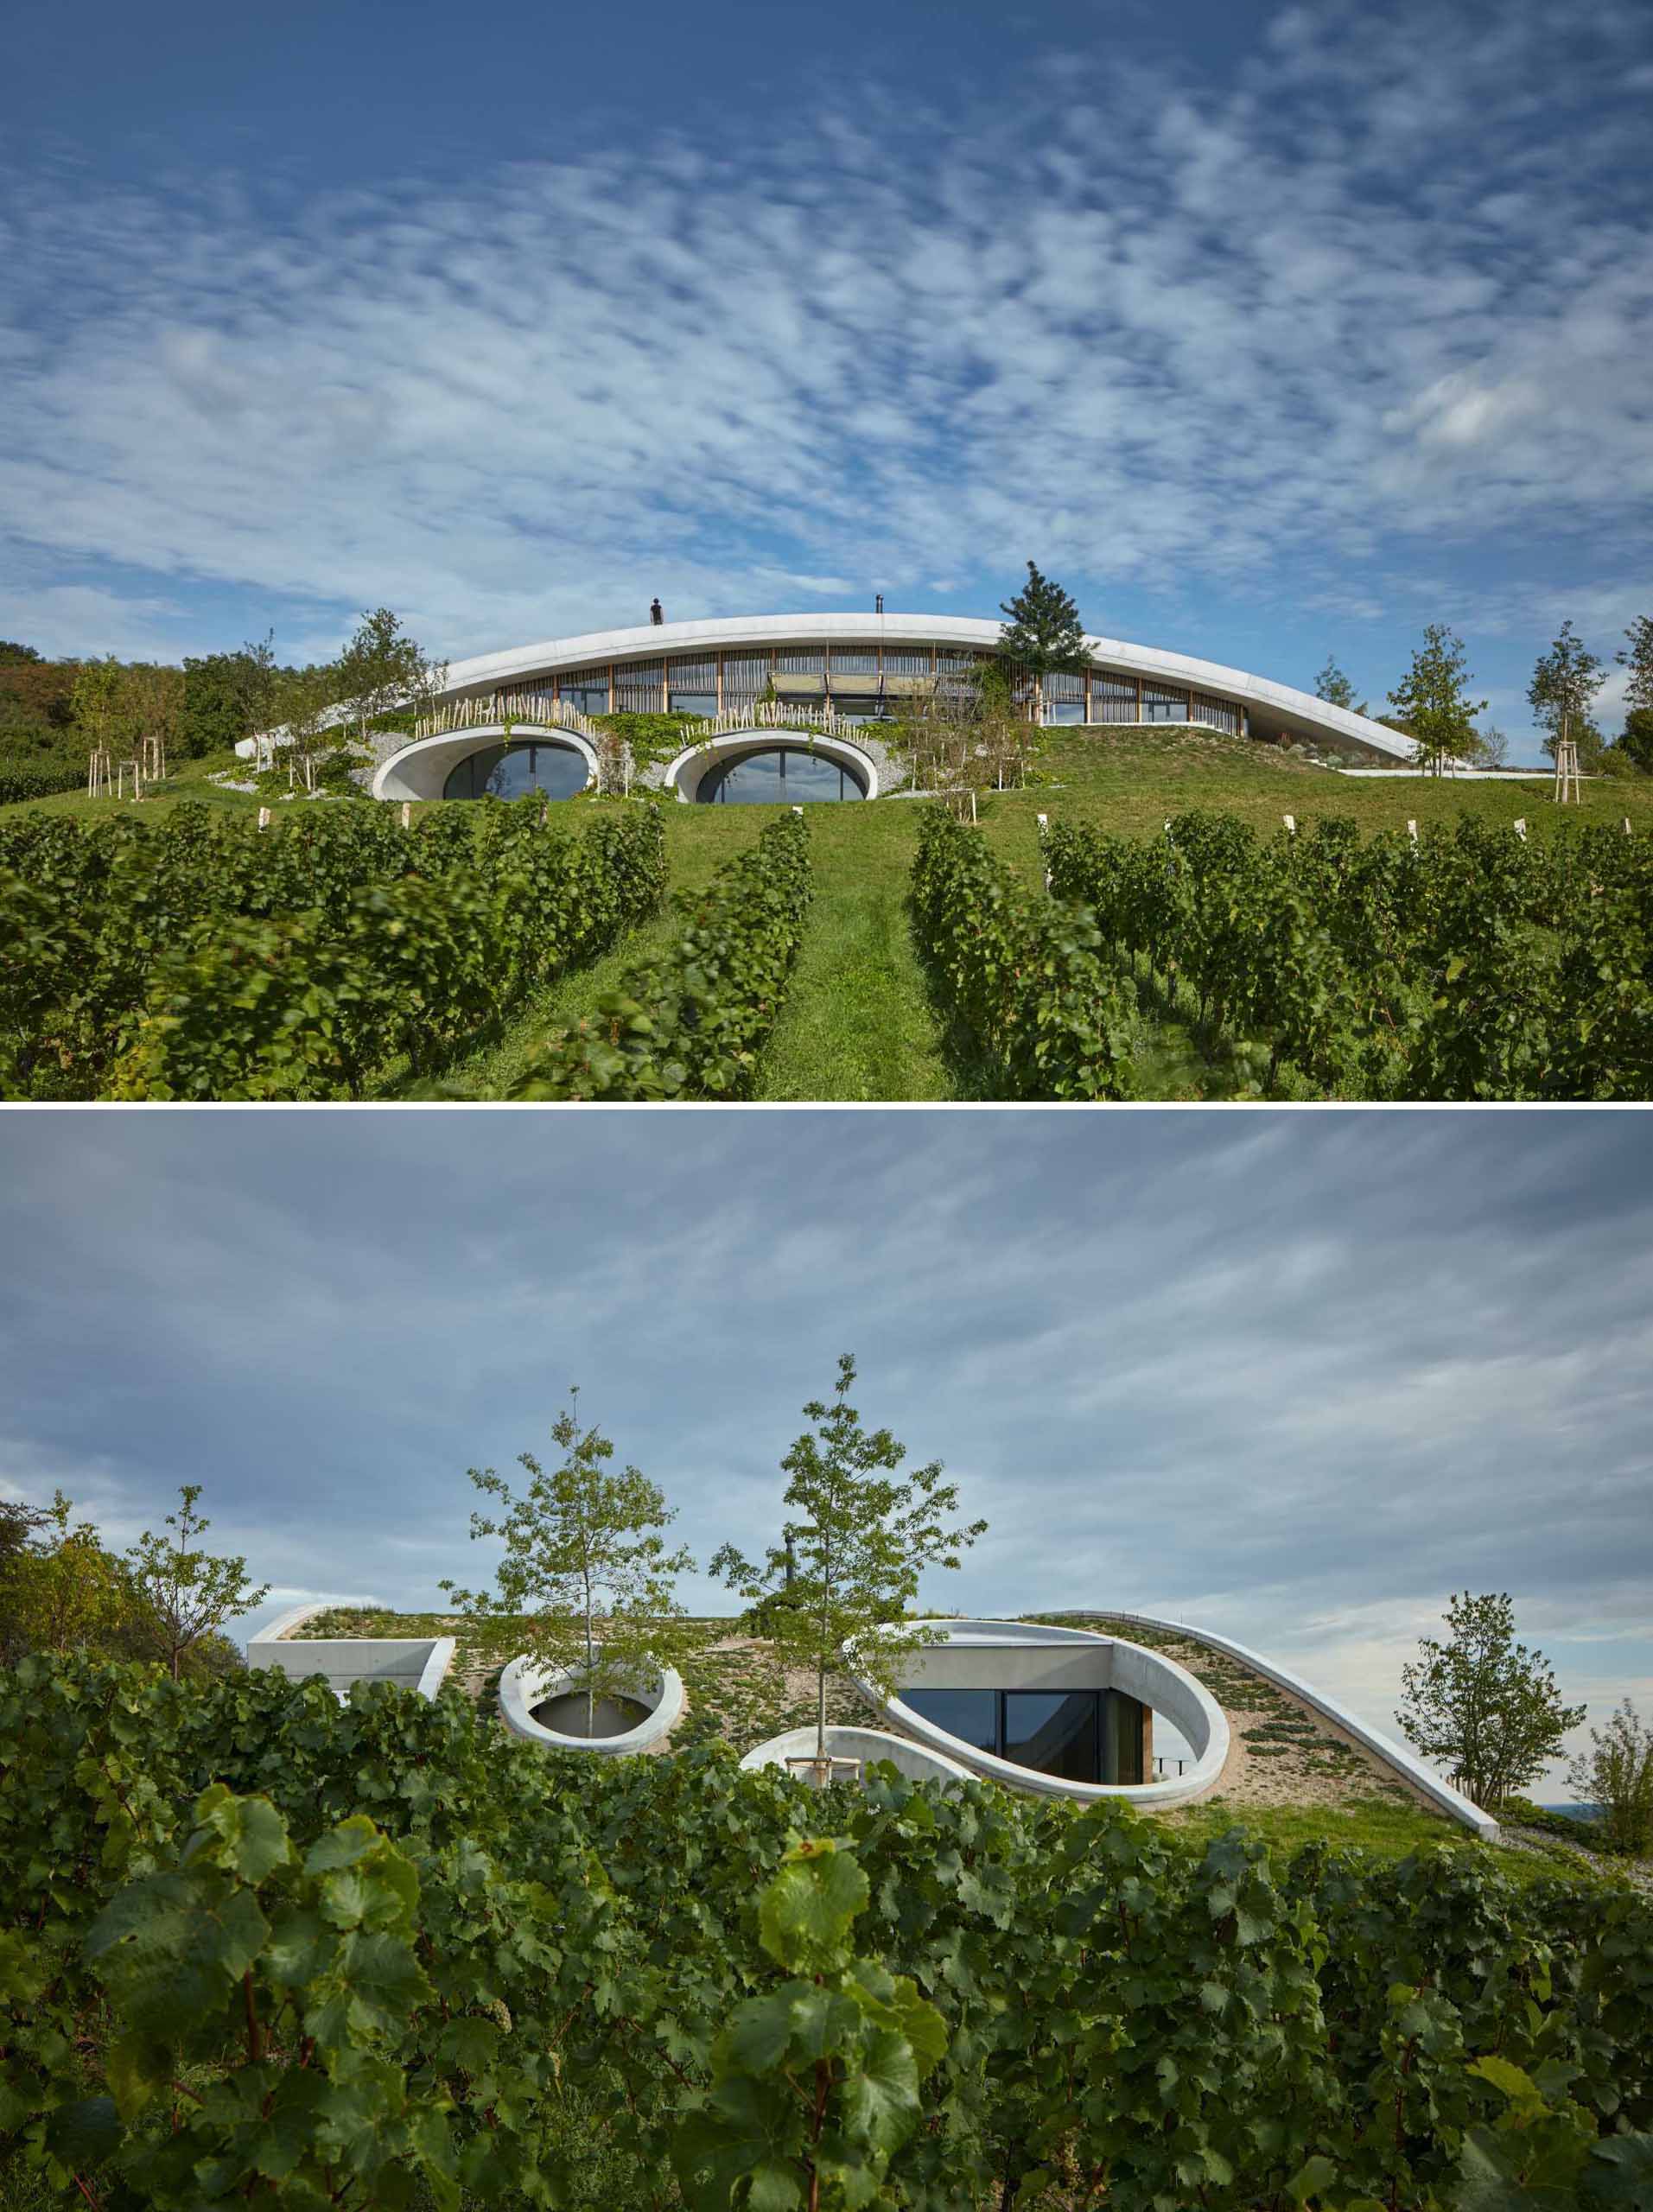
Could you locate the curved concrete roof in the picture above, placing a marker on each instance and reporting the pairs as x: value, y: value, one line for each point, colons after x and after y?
x: 916, y: 1761
x: 1037, y: 1655
x: 765, y: 738
x: 1406, y: 1763
x: 1299, y: 712
x: 420, y: 770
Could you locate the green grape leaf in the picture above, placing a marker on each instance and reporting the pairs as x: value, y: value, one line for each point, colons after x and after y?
x: 1620, y: 2172
x: 879, y: 2095
x: 805, y: 1914
x: 1312, y: 2178
x: 135, y: 2067
x: 85, y: 2133
x: 246, y: 1836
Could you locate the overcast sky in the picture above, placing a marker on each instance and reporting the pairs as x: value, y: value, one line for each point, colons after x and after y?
x: 1294, y: 1376
x: 1274, y: 330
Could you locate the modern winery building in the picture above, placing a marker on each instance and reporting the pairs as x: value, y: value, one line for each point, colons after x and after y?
x: 792, y: 705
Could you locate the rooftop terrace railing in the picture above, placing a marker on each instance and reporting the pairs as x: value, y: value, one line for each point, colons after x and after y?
x: 480, y: 712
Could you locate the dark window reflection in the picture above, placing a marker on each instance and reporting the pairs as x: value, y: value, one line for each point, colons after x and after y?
x: 517, y: 770
x: 780, y: 775
x: 1079, y: 1735
x: 1054, y: 1733
x: 971, y: 1715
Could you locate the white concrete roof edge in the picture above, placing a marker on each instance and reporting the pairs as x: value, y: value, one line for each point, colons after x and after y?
x: 1180, y: 1789
x: 285, y: 1622
x: 434, y: 1671
x: 647, y: 639
x: 1383, y: 1747
x: 448, y: 747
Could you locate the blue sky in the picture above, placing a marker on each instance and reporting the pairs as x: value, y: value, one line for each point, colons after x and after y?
x: 1273, y: 331
x: 1294, y: 1377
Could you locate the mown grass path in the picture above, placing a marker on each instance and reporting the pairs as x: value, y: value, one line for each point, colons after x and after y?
x: 857, y: 1023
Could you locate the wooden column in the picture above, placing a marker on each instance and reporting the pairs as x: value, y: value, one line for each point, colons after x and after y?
x: 1139, y: 698
x: 611, y: 687
x: 1148, y: 1742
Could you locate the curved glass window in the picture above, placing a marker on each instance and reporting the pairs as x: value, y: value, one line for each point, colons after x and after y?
x: 778, y: 775
x: 1079, y: 1735
x: 517, y: 770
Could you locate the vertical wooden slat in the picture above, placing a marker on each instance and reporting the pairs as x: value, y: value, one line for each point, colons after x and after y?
x: 1139, y: 698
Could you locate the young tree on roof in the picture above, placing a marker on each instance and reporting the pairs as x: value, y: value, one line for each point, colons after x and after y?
x: 1432, y: 699
x: 850, y: 1555
x: 586, y: 1584
x: 1042, y: 628
x: 1614, y: 1777
x: 1484, y: 1705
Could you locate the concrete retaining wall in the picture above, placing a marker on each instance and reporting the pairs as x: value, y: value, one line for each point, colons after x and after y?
x: 416, y: 1662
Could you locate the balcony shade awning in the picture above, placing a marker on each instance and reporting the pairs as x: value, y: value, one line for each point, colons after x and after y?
x: 799, y: 687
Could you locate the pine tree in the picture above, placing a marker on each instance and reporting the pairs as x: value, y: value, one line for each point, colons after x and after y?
x: 1042, y: 629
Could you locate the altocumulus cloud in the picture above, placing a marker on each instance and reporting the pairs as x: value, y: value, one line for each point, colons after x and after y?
x: 1298, y: 1377
x: 1388, y: 282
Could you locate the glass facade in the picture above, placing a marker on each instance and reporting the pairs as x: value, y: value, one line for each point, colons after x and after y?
x: 516, y: 771
x: 971, y: 1715
x: 1160, y: 705
x: 1078, y: 1735
x: 855, y: 678
x: 778, y: 775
